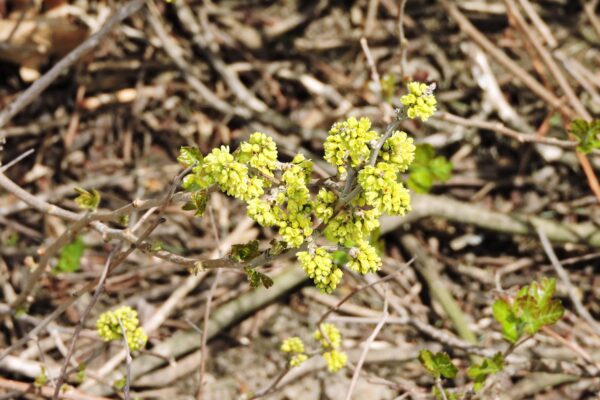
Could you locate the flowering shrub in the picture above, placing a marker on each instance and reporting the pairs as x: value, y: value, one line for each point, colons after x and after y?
x: 344, y: 208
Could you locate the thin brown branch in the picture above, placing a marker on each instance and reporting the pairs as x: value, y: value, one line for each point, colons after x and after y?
x: 29, y: 95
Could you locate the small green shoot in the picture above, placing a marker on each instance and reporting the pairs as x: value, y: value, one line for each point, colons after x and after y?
x: 87, y: 200
x: 532, y: 309
x: 586, y: 134
x: 480, y: 372
x: 244, y: 252
x: 437, y: 364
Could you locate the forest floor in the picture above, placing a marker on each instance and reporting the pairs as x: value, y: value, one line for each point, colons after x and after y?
x: 510, y: 77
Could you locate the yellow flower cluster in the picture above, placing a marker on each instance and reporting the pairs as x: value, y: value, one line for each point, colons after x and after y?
x: 108, y: 327
x: 295, y: 347
x: 260, y: 152
x: 398, y: 150
x: 420, y: 101
x: 319, y: 267
x: 364, y: 258
x: 348, y: 143
x: 324, y: 205
x: 330, y: 339
x: 335, y: 360
x: 382, y: 190
x: 220, y: 167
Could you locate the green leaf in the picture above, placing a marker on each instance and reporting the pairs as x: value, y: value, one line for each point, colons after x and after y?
x: 189, y: 156
x: 340, y: 257
x: 420, y: 180
x: 427, y: 169
x: 489, y: 366
x: 87, y: 200
x: 441, y: 168
x: 532, y: 309
x: 510, y: 323
x: 70, y: 256
x: 190, y: 183
x: 258, y: 278
x: 586, y: 133
x: 197, y: 203
x: 244, y: 252
x: 424, y: 153
x: 438, y: 364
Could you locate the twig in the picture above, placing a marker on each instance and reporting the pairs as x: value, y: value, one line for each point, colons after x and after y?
x: 127, y: 361
x: 79, y: 327
x: 365, y: 351
x: 402, y: 38
x: 273, y: 385
x: 440, y: 387
x: 209, y: 298
x: 519, y: 73
x: 16, y: 160
x: 31, y: 93
x: 589, y: 7
x: 46, y: 391
x: 564, y: 277
x: 359, y: 289
x: 374, y: 74
x: 549, y: 61
x: 521, y: 137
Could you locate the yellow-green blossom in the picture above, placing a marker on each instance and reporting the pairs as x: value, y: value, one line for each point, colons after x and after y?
x: 263, y: 212
x: 335, y: 360
x: 420, y: 101
x: 298, y: 359
x: 319, y: 267
x: 348, y: 143
x: 334, y: 337
x: 398, y: 150
x: 364, y: 258
x: 108, y: 327
x: 382, y: 190
x: 260, y: 152
x: 292, y: 345
x: 324, y: 205
x: 232, y: 176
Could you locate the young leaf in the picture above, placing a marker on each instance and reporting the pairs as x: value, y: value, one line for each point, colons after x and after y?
x: 532, y: 309
x: 244, y: 252
x: 420, y: 179
x: 438, y: 364
x: 489, y: 366
x: 189, y: 156
x: 586, y: 133
x: 340, y: 257
x: 87, y: 200
x: 510, y: 323
x: 197, y: 203
x: 190, y: 183
x: 441, y: 168
x: 257, y: 278
x: 427, y: 169
x: 70, y: 256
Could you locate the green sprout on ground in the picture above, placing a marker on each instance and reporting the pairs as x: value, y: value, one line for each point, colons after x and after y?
x: 533, y: 308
